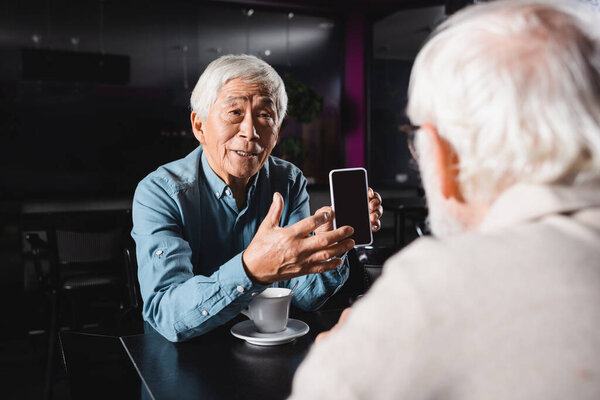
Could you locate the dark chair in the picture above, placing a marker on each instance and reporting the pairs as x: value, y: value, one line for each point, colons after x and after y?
x: 410, y: 214
x: 365, y: 267
x: 133, y: 289
x: 371, y: 260
x: 89, y: 256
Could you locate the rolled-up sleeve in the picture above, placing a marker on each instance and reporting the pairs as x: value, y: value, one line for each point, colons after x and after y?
x: 177, y: 303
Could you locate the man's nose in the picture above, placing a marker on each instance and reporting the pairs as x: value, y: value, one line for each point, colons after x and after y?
x: 247, y: 128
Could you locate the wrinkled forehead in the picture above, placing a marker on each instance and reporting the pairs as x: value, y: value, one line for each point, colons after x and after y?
x: 255, y: 99
x: 238, y: 90
x: 243, y: 87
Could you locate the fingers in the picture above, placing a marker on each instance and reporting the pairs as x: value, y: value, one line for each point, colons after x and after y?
x: 327, y: 226
x: 375, y: 215
x: 328, y: 210
x: 375, y: 210
x: 274, y: 215
x: 322, y: 266
x: 375, y: 223
x: 326, y: 239
x: 374, y: 199
x: 304, y: 227
x: 318, y: 253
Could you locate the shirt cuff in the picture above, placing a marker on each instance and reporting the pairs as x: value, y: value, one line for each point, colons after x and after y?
x: 344, y: 264
x: 234, y: 281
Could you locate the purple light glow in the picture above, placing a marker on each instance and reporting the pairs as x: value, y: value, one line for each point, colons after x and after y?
x: 355, y: 90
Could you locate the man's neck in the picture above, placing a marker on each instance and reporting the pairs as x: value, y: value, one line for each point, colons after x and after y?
x: 240, y: 192
x: 469, y: 214
x: 239, y: 187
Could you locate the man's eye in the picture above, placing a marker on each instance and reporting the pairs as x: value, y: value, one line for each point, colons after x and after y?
x: 235, y: 112
x: 264, y: 115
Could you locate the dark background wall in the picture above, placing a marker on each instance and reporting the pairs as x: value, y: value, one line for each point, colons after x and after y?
x: 397, y: 38
x: 77, y: 133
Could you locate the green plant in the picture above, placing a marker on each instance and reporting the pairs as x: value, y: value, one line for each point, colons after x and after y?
x: 291, y: 148
x: 304, y: 103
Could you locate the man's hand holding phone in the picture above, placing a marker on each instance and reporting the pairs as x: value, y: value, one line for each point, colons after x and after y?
x: 375, y: 213
x: 355, y: 204
x: 375, y: 210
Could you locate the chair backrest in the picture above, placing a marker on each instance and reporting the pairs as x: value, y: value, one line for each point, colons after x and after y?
x: 88, y: 258
x: 133, y: 285
x: 88, y: 247
x: 87, y: 242
x: 372, y: 258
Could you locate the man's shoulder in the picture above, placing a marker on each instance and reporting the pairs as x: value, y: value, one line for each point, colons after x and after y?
x: 177, y: 175
x: 284, y: 170
x: 430, y: 255
x: 461, y: 262
x: 461, y: 252
x: 519, y: 251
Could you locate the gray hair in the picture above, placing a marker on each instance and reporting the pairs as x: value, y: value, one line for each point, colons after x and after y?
x: 514, y: 87
x: 245, y: 67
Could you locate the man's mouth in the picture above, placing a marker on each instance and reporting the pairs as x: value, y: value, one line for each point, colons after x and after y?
x: 244, y: 153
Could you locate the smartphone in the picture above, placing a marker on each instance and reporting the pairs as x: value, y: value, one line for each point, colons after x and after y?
x: 350, y: 202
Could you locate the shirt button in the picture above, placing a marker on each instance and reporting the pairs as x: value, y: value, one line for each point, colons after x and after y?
x: 227, y: 192
x: 204, y: 312
x: 254, y: 293
x: 240, y: 289
x: 158, y: 252
x: 217, y: 194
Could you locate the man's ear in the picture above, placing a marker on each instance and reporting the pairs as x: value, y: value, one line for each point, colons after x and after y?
x: 445, y: 162
x: 197, y: 126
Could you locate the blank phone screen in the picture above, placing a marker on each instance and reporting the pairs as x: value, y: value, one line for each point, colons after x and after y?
x: 350, y: 202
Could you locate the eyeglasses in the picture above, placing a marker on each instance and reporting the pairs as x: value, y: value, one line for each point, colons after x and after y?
x: 409, y: 131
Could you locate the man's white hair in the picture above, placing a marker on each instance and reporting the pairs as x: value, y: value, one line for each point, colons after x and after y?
x: 514, y: 87
x: 245, y: 67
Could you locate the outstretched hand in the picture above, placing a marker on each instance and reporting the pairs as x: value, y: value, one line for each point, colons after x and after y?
x: 277, y: 253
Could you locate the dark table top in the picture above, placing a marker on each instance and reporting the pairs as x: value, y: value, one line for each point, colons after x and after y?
x: 213, y: 366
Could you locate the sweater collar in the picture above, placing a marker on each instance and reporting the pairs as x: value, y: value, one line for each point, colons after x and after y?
x: 528, y: 202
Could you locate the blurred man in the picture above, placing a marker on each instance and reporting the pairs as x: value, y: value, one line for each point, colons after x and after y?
x: 504, y: 303
x: 216, y: 228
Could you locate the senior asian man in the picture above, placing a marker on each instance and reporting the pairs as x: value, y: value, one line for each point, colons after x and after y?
x: 220, y: 225
x: 504, y: 303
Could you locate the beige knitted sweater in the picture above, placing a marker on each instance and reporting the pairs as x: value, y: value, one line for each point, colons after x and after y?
x: 509, y: 312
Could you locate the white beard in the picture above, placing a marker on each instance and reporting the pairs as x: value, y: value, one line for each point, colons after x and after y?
x: 442, y: 219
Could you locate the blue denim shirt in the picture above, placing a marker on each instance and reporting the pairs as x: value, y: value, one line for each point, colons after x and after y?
x: 190, y: 237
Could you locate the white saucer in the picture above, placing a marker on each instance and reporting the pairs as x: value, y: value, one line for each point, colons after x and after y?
x: 247, y: 330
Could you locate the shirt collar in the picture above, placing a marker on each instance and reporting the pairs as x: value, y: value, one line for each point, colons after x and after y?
x: 527, y: 202
x: 217, y: 186
x: 215, y: 183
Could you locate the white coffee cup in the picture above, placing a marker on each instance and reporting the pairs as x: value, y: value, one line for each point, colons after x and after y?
x: 270, y: 310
